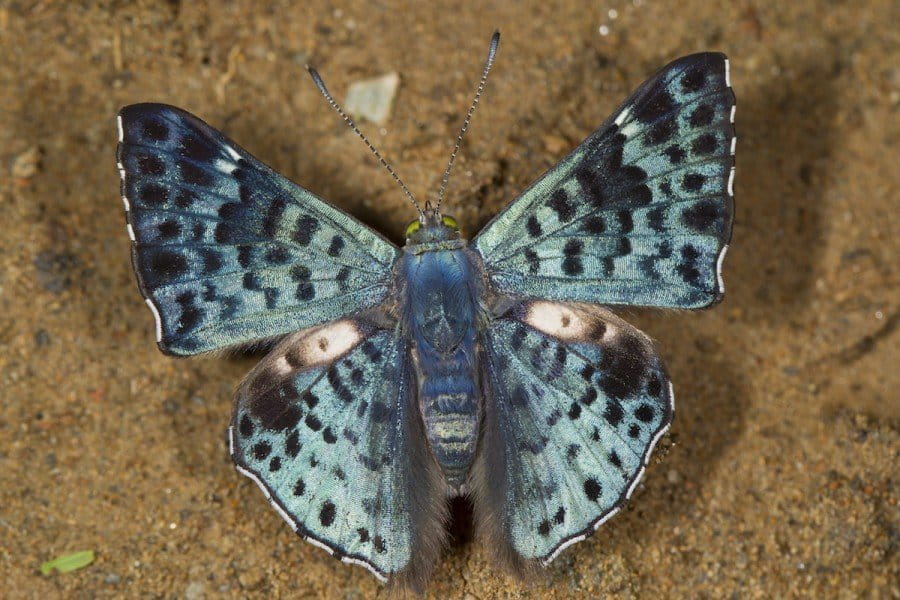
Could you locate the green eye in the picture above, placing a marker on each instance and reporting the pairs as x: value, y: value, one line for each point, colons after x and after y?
x: 450, y: 222
x: 412, y: 228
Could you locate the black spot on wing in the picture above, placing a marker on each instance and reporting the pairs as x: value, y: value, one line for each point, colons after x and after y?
x: 534, y: 262
x: 692, y: 182
x: 544, y: 528
x: 574, y: 411
x: 251, y: 281
x: 702, y: 116
x: 337, y: 244
x: 613, y: 413
x: 225, y: 234
x: 327, y: 513
x: 592, y: 489
x: 591, y: 184
x: 656, y: 106
x: 194, y: 175
x: 292, y: 444
x: 626, y: 221
x: 185, y: 198
x: 155, y: 130
x: 704, y: 144
x: 559, y: 202
x: 305, y: 291
x: 153, y: 194
x: 656, y: 219
x: 571, y: 264
x: 151, y: 165
x: 560, y: 517
x: 166, y: 265
x: 277, y: 256
x: 245, y: 255
x: 313, y: 422
x: 261, y: 450
x: 623, y: 367
x: 644, y: 413
x: 614, y: 459
x: 337, y: 384
x: 246, y: 426
x: 169, y: 229
x: 702, y: 217
x: 693, y: 80
x: 675, y: 153
x: 273, y: 217
x: 371, y: 351
x: 661, y: 132
x: 305, y: 228
x: 594, y: 224
x: 196, y: 149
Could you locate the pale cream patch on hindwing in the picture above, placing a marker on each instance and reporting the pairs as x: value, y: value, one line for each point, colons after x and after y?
x: 557, y: 320
x: 319, y: 346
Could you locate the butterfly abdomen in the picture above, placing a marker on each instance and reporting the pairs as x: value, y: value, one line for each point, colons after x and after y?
x: 441, y: 300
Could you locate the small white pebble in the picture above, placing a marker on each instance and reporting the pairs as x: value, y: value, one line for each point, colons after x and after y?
x: 604, y: 30
x: 613, y: 14
x: 173, y: 525
x: 879, y: 315
x: 674, y: 477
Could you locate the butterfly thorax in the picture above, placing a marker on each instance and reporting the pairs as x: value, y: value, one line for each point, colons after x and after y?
x: 441, y: 285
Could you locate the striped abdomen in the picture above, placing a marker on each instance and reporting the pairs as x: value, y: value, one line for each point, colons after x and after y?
x: 447, y: 399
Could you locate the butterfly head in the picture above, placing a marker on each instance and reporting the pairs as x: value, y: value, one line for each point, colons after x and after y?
x: 432, y: 226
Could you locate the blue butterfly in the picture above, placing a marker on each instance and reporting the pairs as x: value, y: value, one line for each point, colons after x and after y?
x: 490, y: 368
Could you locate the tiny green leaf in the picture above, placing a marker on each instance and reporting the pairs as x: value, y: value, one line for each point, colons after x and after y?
x: 68, y: 562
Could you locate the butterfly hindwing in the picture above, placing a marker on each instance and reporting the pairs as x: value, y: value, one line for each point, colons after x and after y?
x: 640, y: 213
x: 226, y: 250
x: 575, y: 400
x: 326, y: 425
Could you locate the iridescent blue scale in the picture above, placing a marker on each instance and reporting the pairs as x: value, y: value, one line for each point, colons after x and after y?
x: 403, y: 377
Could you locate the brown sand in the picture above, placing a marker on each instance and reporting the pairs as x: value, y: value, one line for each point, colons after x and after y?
x: 779, y: 478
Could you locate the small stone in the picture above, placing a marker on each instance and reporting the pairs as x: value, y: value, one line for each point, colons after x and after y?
x: 56, y: 270
x: 674, y: 477
x: 251, y: 578
x: 41, y: 338
x: 556, y: 145
x: 26, y: 164
x: 196, y: 590
x: 371, y: 99
x: 112, y: 579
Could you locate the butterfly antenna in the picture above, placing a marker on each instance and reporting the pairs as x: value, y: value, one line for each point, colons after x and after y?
x: 492, y: 52
x: 337, y: 107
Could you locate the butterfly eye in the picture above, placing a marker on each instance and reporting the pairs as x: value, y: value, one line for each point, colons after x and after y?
x: 412, y: 228
x: 450, y: 222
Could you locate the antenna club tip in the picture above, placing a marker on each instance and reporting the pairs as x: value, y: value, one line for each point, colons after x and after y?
x: 495, y: 43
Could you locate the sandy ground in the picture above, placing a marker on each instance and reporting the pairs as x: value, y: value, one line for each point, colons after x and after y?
x: 779, y: 478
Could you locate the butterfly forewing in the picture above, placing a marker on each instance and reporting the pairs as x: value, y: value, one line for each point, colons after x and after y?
x: 575, y: 400
x: 640, y: 213
x: 327, y: 426
x: 228, y: 251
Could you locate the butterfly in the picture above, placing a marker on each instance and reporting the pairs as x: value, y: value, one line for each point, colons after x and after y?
x: 488, y: 368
